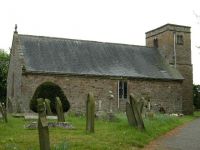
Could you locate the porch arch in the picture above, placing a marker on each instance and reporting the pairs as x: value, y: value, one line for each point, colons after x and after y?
x: 50, y: 91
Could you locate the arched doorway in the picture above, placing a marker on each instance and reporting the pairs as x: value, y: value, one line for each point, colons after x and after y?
x: 50, y: 91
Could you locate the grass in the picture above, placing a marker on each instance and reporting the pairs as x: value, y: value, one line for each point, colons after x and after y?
x: 108, y: 135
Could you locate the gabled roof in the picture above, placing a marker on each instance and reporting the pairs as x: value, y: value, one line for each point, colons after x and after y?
x: 79, y: 57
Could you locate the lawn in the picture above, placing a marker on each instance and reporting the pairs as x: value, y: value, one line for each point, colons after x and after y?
x: 108, y: 135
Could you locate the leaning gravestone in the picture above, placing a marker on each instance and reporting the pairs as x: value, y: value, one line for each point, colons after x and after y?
x: 90, y: 113
x: 59, y: 110
x: 133, y: 112
x: 48, y: 106
x: 3, y: 112
x: 43, y: 126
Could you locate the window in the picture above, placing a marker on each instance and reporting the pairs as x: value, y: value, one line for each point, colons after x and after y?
x: 155, y: 43
x: 179, y: 39
x: 122, y: 89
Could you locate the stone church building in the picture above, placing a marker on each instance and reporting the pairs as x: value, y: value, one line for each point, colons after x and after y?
x: 162, y: 70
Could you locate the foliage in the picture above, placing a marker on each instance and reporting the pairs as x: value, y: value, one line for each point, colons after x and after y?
x: 50, y: 91
x: 196, y: 96
x: 108, y: 135
x: 4, y: 60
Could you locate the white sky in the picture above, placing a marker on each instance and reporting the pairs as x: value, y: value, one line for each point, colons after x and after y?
x: 118, y: 21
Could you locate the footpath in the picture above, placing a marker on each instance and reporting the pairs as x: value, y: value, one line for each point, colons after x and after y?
x: 186, y: 137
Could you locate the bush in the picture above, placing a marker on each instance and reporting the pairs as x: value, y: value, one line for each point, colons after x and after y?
x: 4, y: 61
x: 50, y: 91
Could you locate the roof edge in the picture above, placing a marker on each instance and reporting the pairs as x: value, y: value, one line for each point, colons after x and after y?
x: 103, y: 76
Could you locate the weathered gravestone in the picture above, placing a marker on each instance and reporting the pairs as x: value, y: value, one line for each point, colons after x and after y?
x: 90, y: 113
x: 59, y: 110
x: 43, y: 126
x: 48, y: 106
x: 3, y: 112
x: 134, y: 113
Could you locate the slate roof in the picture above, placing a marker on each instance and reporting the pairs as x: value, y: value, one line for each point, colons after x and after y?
x: 79, y: 57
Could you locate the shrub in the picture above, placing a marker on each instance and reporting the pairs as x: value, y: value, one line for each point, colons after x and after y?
x: 50, y: 91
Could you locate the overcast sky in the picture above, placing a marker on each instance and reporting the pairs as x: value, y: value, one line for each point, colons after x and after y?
x: 118, y: 21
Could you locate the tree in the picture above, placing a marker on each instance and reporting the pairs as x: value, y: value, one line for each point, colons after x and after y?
x: 196, y: 96
x: 4, y: 61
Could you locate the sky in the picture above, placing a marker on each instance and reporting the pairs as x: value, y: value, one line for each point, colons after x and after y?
x: 117, y: 21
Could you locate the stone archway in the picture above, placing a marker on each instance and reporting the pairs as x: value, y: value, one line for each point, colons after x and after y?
x: 50, y: 91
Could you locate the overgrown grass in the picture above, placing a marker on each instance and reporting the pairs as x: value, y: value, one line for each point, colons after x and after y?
x: 108, y: 135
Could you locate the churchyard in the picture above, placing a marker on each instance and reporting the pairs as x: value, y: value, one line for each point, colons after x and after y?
x: 115, y: 134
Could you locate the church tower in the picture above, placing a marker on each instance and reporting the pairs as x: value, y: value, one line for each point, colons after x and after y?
x: 174, y: 44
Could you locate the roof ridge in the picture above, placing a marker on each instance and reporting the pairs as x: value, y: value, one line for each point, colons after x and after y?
x: 61, y: 38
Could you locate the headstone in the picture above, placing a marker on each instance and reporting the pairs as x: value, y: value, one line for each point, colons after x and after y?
x: 43, y: 126
x: 3, y: 112
x: 9, y: 105
x: 90, y: 113
x: 129, y: 113
x: 59, y: 110
x: 133, y: 111
x: 48, y: 106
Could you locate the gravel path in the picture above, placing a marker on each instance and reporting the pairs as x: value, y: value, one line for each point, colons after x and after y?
x: 186, y: 137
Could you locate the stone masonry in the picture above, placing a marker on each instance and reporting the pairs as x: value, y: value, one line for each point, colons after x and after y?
x: 162, y: 93
x: 178, y: 55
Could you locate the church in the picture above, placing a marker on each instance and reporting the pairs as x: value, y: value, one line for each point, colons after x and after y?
x: 162, y: 70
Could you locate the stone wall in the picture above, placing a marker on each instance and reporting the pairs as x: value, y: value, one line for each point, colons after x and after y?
x: 164, y: 93
x: 14, y: 76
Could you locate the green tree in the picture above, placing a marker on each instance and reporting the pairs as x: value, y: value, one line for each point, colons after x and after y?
x: 4, y: 61
x: 196, y: 96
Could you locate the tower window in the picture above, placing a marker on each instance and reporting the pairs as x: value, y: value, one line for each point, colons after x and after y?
x: 179, y: 39
x: 122, y: 89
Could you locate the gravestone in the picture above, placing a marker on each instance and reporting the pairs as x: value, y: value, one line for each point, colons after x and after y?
x: 59, y: 110
x: 48, y: 106
x: 3, y: 112
x: 43, y: 129
x: 134, y: 112
x: 9, y: 105
x: 90, y: 113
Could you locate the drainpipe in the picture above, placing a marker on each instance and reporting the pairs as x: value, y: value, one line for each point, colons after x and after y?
x: 118, y: 94
x: 174, y: 49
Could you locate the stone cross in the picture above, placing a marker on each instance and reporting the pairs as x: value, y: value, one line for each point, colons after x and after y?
x: 43, y: 129
x: 111, y: 97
